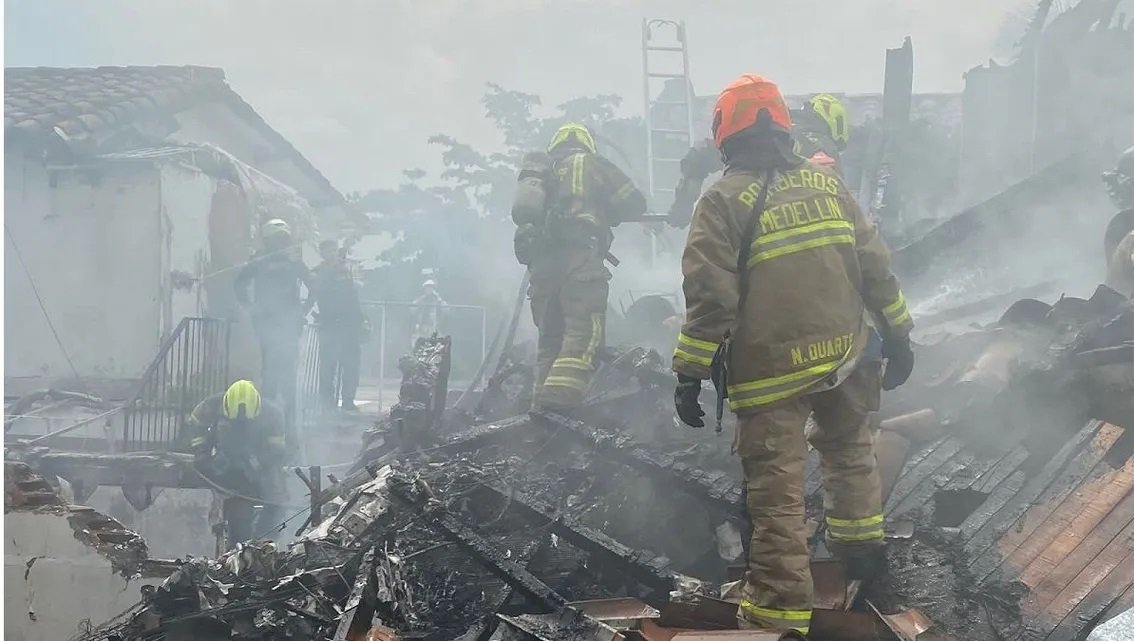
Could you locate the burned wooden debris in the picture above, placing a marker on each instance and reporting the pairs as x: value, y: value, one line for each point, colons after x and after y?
x: 1008, y: 498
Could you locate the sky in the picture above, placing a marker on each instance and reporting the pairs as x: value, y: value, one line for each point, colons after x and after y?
x: 359, y: 86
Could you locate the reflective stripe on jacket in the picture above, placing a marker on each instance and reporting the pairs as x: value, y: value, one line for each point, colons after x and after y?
x: 816, y: 267
x: 593, y: 195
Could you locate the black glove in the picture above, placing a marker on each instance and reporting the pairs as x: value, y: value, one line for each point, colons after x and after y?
x: 686, y: 398
x: 899, y: 362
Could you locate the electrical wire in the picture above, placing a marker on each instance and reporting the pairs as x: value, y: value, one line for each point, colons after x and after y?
x: 42, y: 307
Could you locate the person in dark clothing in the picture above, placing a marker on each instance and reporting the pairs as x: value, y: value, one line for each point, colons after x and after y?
x: 275, y: 275
x: 342, y: 326
x: 239, y: 442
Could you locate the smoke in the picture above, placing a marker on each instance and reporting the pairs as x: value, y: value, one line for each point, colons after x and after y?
x: 359, y: 86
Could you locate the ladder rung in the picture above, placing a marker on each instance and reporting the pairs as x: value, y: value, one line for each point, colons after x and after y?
x: 667, y: 160
x: 659, y: 75
x: 664, y: 48
x: 660, y: 130
x: 664, y: 189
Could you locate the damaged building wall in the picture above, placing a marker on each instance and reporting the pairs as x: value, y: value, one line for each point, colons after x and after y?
x: 102, y: 299
x: 175, y: 525
x: 53, y: 582
x: 64, y: 566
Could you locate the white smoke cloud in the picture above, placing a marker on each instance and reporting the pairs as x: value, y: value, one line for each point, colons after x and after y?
x: 358, y: 86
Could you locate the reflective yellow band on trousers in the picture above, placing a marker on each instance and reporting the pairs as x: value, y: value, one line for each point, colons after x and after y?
x: 806, y: 237
x: 765, y: 391
x: 896, y: 313
x: 855, y: 530
x: 696, y: 351
x: 572, y: 363
x: 777, y: 618
x: 565, y: 382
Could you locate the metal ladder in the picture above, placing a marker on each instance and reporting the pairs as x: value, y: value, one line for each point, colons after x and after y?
x: 669, y: 121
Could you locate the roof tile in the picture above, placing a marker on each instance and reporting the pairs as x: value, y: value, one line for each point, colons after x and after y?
x: 88, y: 95
x: 80, y: 101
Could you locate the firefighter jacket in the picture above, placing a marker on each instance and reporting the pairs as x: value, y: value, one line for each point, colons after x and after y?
x: 815, y: 268
x: 275, y: 277
x: 336, y: 294
x: 248, y: 447
x: 591, y: 196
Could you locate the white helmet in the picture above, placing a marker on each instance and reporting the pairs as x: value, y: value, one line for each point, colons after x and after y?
x: 275, y: 227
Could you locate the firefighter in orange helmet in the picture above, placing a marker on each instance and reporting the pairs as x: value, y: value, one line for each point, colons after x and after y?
x: 820, y: 131
x: 782, y: 268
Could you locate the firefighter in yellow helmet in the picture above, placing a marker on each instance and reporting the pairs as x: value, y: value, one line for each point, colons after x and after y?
x: 820, y: 130
x: 563, y: 236
x: 783, y: 269
x: 238, y: 441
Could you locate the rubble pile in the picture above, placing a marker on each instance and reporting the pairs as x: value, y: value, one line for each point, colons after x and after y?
x: 525, y: 527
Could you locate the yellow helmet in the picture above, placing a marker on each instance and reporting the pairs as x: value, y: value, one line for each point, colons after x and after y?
x: 572, y: 133
x: 241, y: 394
x: 275, y: 227
x: 834, y: 114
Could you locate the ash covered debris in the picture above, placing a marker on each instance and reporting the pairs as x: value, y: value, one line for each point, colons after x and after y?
x: 1006, y: 461
x: 499, y: 529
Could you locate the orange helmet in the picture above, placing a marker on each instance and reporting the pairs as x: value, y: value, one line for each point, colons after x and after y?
x: 741, y: 103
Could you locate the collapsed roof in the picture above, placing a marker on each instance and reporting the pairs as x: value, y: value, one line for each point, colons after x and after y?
x: 1009, y: 503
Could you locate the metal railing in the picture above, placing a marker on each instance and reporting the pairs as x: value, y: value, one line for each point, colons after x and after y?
x: 308, y: 404
x: 191, y: 364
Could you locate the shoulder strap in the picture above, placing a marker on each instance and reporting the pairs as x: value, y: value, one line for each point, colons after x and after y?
x: 749, y: 237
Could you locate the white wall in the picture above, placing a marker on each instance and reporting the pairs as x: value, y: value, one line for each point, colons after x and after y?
x: 186, y: 197
x: 101, y: 245
x: 92, y: 243
x: 66, y: 582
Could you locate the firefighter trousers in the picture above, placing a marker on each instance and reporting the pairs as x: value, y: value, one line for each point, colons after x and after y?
x: 340, y: 355
x: 772, y: 445
x: 568, y: 293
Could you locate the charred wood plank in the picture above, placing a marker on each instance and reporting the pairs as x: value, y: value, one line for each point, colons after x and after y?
x: 916, y: 482
x: 464, y: 536
x: 359, y: 607
x: 1070, y: 463
x: 646, y: 568
x: 719, y: 490
x: 526, y: 557
x: 995, y: 476
x: 484, y: 434
x: 997, y: 499
x: 1075, y: 509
